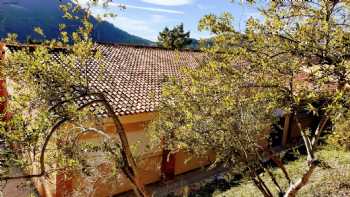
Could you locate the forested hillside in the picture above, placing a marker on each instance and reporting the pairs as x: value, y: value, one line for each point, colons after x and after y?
x: 21, y: 16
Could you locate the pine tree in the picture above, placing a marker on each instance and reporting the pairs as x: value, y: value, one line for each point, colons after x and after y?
x: 175, y: 38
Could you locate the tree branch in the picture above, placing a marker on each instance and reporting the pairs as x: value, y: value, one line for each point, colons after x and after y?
x: 306, y: 139
x: 130, y: 169
x: 318, y: 131
x: 293, y: 189
x: 42, y: 155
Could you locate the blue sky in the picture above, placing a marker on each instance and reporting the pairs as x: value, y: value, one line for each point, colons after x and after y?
x: 146, y: 18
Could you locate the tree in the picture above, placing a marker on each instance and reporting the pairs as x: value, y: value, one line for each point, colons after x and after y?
x: 43, y: 121
x: 175, y: 38
x: 296, y: 56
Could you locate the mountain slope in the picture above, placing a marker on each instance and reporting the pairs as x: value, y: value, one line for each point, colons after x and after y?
x: 21, y: 16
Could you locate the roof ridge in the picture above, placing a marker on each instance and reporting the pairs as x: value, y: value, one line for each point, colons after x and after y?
x: 106, y: 44
x: 147, y: 46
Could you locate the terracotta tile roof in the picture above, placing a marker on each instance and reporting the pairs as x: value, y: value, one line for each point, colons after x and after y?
x: 133, y: 75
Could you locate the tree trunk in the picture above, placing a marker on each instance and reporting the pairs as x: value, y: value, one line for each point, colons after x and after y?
x: 312, y: 163
x: 130, y: 169
x: 258, y: 184
x: 294, y: 188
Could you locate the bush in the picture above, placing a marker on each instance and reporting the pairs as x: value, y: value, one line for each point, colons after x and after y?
x: 341, y: 135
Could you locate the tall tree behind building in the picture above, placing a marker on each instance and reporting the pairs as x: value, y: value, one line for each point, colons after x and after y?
x: 175, y: 38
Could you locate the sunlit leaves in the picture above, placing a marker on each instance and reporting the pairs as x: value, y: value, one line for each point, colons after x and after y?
x: 11, y: 38
x: 39, y: 31
x: 43, y: 80
x: 216, y: 24
x: 295, y: 59
x: 62, y: 26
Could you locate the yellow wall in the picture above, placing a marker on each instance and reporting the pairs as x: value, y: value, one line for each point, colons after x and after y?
x: 148, y: 161
x: 185, y: 162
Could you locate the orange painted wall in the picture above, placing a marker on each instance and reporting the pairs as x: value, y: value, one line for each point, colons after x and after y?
x: 185, y: 162
x: 148, y: 160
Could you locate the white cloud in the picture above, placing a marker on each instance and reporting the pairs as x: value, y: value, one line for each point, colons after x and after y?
x: 169, y: 2
x: 134, y: 26
x: 148, y: 28
x: 202, y: 7
x: 144, y: 27
x: 154, y: 9
x: 151, y: 9
x: 156, y: 18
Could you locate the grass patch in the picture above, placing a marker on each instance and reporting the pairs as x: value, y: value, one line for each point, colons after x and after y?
x: 332, y: 178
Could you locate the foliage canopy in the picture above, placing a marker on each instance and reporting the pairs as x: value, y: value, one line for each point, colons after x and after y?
x: 298, y: 54
x: 43, y: 122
